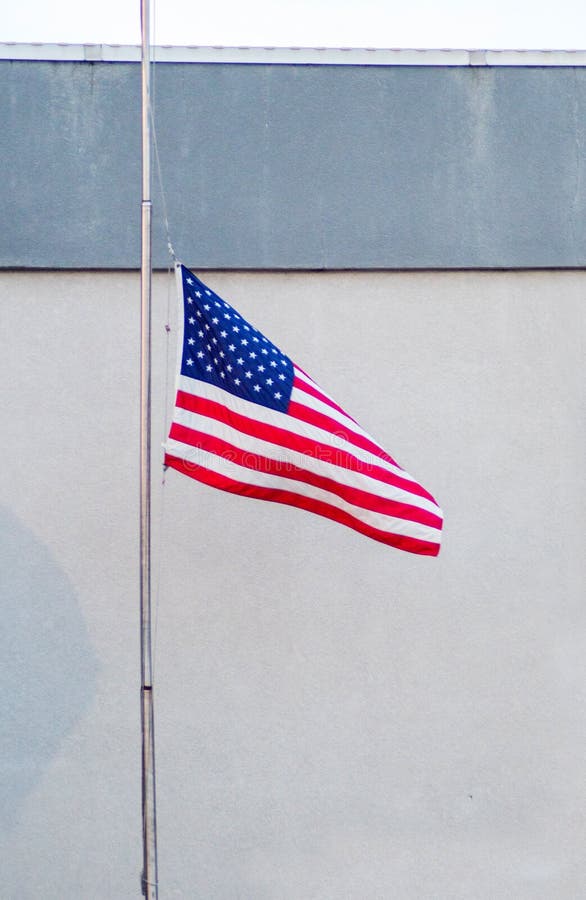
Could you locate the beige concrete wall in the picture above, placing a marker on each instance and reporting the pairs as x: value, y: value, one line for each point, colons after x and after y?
x: 335, y: 719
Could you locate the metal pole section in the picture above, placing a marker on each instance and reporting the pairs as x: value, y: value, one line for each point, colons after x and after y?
x: 149, y: 819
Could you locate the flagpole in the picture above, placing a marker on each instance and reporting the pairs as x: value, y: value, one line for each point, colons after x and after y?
x: 149, y: 818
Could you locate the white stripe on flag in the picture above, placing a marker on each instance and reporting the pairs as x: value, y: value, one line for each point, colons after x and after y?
x: 229, y: 469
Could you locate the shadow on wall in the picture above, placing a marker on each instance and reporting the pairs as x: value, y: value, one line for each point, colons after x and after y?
x: 48, y: 666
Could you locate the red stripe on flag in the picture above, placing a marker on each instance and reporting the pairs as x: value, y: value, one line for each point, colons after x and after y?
x: 199, y: 473
x: 284, y: 469
x: 284, y: 438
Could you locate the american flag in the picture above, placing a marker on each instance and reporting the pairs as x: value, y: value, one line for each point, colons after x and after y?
x: 249, y: 421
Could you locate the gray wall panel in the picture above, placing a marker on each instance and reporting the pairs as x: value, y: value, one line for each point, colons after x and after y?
x: 283, y: 166
x: 335, y: 720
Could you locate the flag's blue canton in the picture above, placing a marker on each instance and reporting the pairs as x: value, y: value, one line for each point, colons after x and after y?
x: 222, y: 348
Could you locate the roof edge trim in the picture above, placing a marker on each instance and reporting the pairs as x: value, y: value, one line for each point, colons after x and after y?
x: 350, y: 56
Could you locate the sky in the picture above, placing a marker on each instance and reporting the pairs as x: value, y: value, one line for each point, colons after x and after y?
x: 470, y: 24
